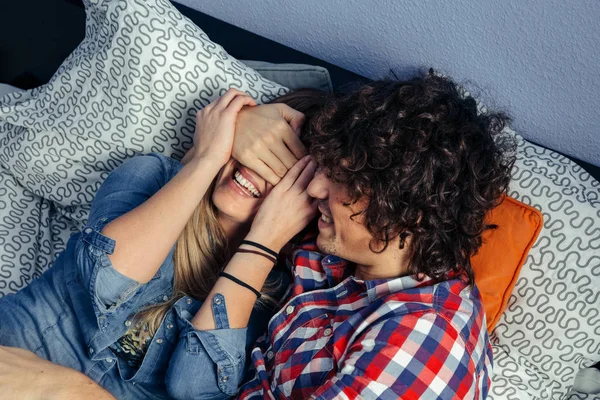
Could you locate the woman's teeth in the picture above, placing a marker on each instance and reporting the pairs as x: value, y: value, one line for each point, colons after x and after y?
x: 245, y: 184
x: 326, y: 219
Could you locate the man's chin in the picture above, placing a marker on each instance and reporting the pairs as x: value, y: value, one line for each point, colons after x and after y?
x: 326, y: 245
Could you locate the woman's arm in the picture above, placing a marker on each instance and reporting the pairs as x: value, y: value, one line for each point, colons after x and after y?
x: 208, y: 362
x: 285, y: 211
x: 145, y: 235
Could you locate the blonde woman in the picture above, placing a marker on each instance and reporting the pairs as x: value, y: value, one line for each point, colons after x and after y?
x: 157, y: 296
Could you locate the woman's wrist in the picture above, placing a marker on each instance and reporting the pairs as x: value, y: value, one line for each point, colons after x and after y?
x: 268, y: 241
x: 205, y: 163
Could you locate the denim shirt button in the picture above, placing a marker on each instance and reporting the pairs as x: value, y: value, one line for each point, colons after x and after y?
x: 224, y: 378
x: 217, y: 300
x: 88, y: 230
x: 165, y: 298
x: 91, y: 350
x: 128, y: 323
x: 169, y: 326
x: 159, y: 341
x: 189, y: 301
x: 109, y: 360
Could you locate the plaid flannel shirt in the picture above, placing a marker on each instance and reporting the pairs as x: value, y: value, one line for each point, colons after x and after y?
x: 339, y: 337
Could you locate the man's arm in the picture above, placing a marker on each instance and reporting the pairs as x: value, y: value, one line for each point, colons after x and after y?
x: 23, y: 375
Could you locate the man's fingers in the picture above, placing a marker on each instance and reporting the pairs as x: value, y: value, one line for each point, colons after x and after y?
x: 295, y: 145
x: 293, y: 117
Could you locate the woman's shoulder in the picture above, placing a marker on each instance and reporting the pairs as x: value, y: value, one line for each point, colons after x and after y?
x: 153, y: 164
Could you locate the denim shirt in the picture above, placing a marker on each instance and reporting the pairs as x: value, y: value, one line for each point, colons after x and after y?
x: 98, y: 302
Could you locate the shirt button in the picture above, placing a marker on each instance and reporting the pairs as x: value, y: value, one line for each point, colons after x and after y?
x: 158, y: 341
x: 217, y: 300
x: 165, y: 298
x: 109, y: 360
x: 189, y: 301
x: 88, y: 230
x: 91, y: 350
x: 169, y: 326
x: 128, y: 323
x: 224, y: 378
x: 270, y: 354
x: 327, y: 332
x: 289, y: 310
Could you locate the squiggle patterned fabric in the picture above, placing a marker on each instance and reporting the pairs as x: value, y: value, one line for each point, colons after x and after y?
x: 132, y: 86
x: 551, y: 327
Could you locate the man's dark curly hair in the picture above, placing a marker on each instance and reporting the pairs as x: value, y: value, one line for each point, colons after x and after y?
x: 429, y: 163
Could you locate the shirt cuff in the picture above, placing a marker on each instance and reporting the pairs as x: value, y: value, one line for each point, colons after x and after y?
x: 225, y: 347
x: 108, y: 287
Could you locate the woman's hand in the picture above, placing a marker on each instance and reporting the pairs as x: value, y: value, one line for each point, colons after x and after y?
x: 287, y: 209
x: 267, y: 140
x: 215, y: 126
x: 23, y: 375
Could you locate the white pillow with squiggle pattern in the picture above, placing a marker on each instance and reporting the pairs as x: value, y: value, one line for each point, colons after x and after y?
x: 551, y: 327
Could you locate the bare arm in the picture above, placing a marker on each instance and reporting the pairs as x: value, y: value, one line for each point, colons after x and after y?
x: 145, y: 235
x: 23, y: 375
x: 285, y: 211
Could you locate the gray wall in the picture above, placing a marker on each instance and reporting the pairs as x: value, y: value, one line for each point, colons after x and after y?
x: 535, y: 59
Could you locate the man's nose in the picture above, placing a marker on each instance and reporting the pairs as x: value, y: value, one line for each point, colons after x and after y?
x: 318, y: 187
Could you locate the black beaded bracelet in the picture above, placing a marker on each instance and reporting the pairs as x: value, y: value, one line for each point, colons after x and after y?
x: 260, y: 246
x: 241, y: 283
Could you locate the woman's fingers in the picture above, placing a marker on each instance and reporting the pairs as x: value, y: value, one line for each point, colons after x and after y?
x: 283, y: 153
x: 264, y: 171
x: 223, y: 101
x: 238, y: 102
x: 294, y: 144
x: 305, y: 177
x: 292, y: 175
x: 293, y: 117
x: 274, y: 163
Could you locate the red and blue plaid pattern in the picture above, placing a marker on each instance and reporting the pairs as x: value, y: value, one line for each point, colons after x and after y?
x: 338, y: 337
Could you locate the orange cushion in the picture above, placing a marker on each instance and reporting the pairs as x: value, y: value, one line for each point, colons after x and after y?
x: 504, y: 250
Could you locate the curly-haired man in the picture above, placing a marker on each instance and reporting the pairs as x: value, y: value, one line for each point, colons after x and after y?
x: 407, y: 172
